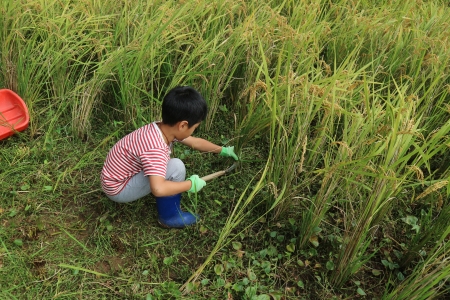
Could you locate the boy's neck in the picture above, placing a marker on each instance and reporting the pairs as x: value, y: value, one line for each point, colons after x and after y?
x: 165, y: 130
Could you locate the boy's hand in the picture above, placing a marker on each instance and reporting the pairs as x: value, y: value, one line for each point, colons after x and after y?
x: 229, y: 152
x: 197, y: 184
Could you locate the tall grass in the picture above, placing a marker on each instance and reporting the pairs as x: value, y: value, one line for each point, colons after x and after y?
x: 348, y: 101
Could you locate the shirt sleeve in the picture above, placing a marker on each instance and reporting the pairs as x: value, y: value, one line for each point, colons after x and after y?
x: 154, y: 162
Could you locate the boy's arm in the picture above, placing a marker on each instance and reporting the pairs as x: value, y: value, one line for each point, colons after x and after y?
x: 201, y: 145
x: 206, y: 146
x: 161, y: 187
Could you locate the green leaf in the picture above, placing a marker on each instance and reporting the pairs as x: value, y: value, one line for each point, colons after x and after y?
x: 223, y: 108
x: 300, y: 284
x: 276, y: 295
x: 262, y: 297
x: 314, y: 240
x: 410, y: 220
x: 18, y: 242
x: 290, y: 247
x: 263, y: 253
x: 400, y: 276
x: 168, y: 260
x: 376, y: 272
x: 330, y: 265
x: 317, y: 229
x: 220, y: 282
x: 361, y: 291
x: 251, y: 275
x: 204, y: 281
x: 218, y: 269
x: 266, y: 266
x: 272, y: 251
x: 203, y: 229
x: 237, y: 245
x: 190, y: 287
x: 250, y: 292
x: 47, y: 188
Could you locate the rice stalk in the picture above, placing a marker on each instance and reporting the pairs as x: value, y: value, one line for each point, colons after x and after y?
x: 430, y: 278
x: 237, y: 215
x: 403, y: 147
x: 430, y: 231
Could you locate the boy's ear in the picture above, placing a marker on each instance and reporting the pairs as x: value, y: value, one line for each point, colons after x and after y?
x: 183, y: 125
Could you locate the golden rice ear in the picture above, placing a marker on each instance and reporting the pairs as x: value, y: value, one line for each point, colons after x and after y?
x: 432, y: 188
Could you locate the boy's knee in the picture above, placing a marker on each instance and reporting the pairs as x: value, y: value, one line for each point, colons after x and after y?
x: 176, y: 171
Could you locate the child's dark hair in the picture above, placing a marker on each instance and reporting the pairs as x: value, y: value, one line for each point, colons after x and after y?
x: 183, y: 103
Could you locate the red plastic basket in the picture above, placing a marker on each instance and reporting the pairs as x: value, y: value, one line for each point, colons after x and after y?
x: 13, y: 114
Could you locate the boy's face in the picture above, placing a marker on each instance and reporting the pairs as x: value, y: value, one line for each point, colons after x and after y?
x: 184, y: 131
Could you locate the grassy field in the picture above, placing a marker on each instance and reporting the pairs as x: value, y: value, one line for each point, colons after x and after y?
x: 340, y: 113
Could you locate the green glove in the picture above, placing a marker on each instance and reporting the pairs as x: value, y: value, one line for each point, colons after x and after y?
x: 197, y: 184
x: 229, y: 152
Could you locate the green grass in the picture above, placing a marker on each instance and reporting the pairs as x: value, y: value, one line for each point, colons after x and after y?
x: 338, y: 109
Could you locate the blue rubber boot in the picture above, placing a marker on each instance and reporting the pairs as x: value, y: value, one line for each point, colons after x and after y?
x: 170, y: 214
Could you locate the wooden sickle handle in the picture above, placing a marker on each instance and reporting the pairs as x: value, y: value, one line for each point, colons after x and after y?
x: 213, y: 175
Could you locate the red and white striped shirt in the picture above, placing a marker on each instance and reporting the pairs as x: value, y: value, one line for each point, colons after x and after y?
x: 142, y: 150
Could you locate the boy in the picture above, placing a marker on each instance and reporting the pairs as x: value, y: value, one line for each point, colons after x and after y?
x: 140, y: 162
